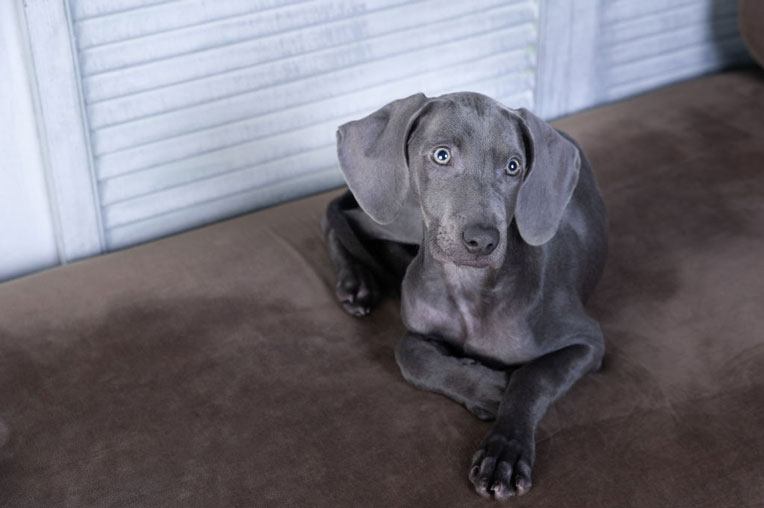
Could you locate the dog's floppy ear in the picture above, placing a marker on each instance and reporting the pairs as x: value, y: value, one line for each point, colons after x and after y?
x: 372, y: 154
x: 554, y: 164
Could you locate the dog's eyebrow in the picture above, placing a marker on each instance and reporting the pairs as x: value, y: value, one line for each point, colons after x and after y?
x: 501, y: 152
x: 449, y: 141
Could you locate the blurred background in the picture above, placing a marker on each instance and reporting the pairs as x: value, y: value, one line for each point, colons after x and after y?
x: 122, y: 121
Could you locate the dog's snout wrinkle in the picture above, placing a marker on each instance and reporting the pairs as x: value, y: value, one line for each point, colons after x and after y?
x: 480, y: 239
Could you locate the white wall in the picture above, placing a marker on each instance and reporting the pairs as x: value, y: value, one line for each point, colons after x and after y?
x: 27, y: 240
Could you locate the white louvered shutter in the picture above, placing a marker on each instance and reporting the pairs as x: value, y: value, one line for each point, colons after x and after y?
x: 199, y: 110
x: 161, y: 115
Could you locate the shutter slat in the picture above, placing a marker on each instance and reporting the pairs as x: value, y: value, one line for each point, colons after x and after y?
x: 83, y: 9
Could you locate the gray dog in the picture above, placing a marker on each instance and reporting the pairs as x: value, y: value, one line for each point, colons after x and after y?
x: 491, y: 224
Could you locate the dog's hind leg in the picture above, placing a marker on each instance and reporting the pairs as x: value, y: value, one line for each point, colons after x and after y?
x: 361, y: 275
x: 369, y: 259
x: 356, y: 289
x: 428, y: 365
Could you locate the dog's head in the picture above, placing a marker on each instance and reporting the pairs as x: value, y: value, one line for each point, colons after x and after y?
x: 471, y: 164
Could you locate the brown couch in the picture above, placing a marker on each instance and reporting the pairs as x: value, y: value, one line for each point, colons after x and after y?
x: 214, y: 368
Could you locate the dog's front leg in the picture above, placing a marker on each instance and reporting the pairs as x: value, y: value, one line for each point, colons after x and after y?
x: 427, y: 364
x: 502, y: 465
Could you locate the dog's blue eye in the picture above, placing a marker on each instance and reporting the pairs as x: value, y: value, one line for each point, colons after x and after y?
x: 441, y: 155
x: 513, y: 166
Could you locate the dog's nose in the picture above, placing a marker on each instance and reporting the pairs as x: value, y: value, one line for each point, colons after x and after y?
x: 480, y: 239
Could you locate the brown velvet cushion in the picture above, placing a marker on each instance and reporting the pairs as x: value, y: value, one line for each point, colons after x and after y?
x: 215, y: 369
x: 751, y: 14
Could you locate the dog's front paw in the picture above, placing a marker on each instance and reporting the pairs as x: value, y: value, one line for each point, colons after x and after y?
x: 357, y: 290
x: 502, y: 466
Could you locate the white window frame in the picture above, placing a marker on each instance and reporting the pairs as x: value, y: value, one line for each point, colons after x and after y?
x: 72, y: 186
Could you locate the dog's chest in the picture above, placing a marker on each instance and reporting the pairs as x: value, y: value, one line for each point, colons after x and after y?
x: 477, y: 321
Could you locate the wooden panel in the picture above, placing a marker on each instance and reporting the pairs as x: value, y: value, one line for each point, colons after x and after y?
x: 654, y: 42
x: 27, y: 234
x: 568, y: 55
x: 65, y: 137
x: 198, y: 110
x: 601, y: 50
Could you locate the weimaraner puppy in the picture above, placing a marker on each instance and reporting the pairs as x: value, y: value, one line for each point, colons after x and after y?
x: 491, y: 224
